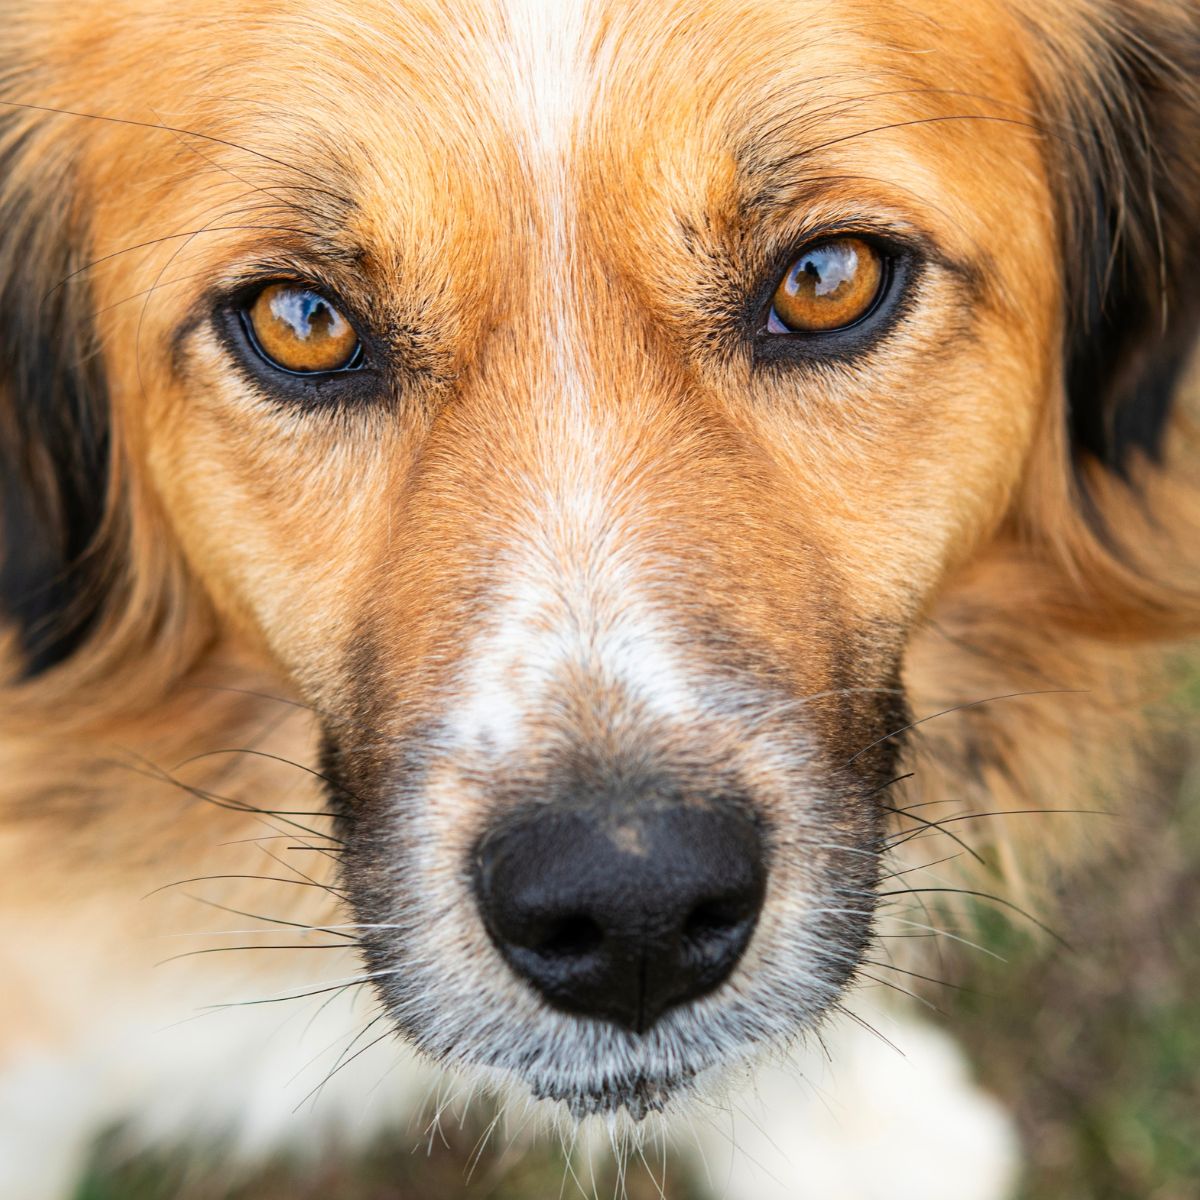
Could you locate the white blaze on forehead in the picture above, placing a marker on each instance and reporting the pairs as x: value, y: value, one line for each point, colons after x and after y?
x: 571, y: 589
x: 549, y: 91
x: 560, y: 617
x: 547, y: 65
x: 568, y: 590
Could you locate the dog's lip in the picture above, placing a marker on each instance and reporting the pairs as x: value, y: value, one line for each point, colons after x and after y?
x: 637, y: 1096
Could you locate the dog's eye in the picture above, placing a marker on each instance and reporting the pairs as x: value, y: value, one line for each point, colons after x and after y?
x: 298, y: 330
x: 835, y: 283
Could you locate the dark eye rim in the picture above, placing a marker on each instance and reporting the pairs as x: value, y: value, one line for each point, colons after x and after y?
x: 901, y: 267
x: 360, y: 386
x: 245, y: 301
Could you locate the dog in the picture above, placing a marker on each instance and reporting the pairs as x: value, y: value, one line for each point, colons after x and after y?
x: 517, y: 515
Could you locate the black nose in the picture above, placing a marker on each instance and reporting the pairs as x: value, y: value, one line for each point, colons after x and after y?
x: 622, y: 914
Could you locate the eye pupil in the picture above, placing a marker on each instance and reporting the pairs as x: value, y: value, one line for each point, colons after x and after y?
x: 832, y: 285
x: 298, y: 330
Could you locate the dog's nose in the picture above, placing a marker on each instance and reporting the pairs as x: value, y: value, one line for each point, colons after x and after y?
x: 622, y: 914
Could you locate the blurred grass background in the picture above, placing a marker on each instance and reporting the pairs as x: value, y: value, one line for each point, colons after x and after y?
x: 1095, y: 1050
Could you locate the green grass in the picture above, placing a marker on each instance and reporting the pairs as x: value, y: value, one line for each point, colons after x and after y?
x: 397, y: 1172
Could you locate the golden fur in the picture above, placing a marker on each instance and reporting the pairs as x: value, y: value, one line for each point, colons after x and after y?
x: 556, y: 275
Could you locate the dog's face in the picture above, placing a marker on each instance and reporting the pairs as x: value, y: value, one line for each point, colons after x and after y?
x: 581, y: 404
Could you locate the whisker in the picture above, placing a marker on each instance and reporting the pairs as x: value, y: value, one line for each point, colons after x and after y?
x: 937, y: 862
x: 152, y: 771
x: 178, y: 279
x: 168, y: 237
x: 1021, y: 812
x: 995, y: 900
x: 933, y: 825
x: 324, y: 713
x: 279, y: 758
x: 336, y: 930
x: 958, y: 708
x: 162, y: 128
x: 774, y: 710
x: 890, y: 783
x: 330, y: 999
x: 916, y: 121
x: 331, y: 852
x: 921, y: 1000
x: 270, y: 932
x: 839, y: 1007
x: 345, y: 1062
x: 937, y: 932
x: 846, y: 105
x: 336, y: 985
x: 270, y: 190
x: 258, y: 878
x: 287, y: 866
x: 345, y: 1035
x: 269, y: 946
x: 958, y: 987
x: 269, y: 837
x: 480, y: 1146
x: 936, y: 826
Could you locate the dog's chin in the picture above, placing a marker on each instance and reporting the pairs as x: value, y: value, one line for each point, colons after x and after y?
x: 576, y: 1092
x: 635, y: 1097
x: 573, y: 1090
x: 585, y: 1084
x: 500, y: 1040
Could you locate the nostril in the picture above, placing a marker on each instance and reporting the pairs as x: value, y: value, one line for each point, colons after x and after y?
x: 712, y: 919
x: 714, y: 931
x: 575, y: 936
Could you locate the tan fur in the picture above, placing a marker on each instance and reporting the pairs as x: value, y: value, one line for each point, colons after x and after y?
x: 546, y: 290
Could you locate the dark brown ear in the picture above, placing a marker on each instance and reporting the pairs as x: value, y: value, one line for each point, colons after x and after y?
x: 54, y: 440
x: 1123, y: 107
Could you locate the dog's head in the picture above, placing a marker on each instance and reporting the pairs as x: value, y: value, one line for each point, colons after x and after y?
x: 581, y: 405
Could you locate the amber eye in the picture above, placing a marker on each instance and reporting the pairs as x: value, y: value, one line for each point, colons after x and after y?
x: 833, y: 284
x: 298, y: 330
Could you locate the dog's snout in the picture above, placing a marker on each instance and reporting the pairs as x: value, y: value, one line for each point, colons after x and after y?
x: 622, y: 914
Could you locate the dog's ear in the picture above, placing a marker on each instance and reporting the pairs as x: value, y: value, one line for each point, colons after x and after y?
x: 1125, y: 116
x: 54, y: 427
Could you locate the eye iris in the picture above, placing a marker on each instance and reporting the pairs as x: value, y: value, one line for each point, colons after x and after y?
x: 831, y: 285
x: 299, y: 330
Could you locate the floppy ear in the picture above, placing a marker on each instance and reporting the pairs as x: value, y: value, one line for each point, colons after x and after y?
x: 54, y: 439
x: 1126, y: 119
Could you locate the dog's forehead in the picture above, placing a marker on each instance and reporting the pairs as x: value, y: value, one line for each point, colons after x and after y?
x: 461, y: 133
x: 429, y: 102
x: 490, y: 135
x: 595, y: 82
